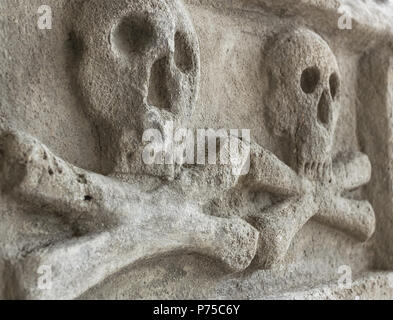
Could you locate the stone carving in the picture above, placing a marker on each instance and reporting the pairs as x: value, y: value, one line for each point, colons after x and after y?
x: 139, y: 70
x: 304, y: 104
x: 303, y: 100
x: 116, y: 224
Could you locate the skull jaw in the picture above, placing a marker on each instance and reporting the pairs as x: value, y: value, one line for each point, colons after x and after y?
x: 122, y: 147
x: 313, y: 156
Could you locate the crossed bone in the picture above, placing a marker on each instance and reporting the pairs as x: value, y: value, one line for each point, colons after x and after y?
x: 116, y: 224
x: 309, y: 194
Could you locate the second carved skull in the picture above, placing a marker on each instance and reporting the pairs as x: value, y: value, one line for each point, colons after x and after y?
x: 303, y: 99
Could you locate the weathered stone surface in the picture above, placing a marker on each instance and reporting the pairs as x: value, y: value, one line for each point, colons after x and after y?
x: 87, y: 211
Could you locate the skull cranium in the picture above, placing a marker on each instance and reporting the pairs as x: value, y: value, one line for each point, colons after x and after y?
x: 139, y: 69
x: 304, y: 86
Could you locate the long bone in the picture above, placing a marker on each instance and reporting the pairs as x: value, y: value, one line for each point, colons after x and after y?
x: 119, y: 224
x: 269, y: 173
x: 308, y: 199
x: 278, y: 226
x: 351, y: 216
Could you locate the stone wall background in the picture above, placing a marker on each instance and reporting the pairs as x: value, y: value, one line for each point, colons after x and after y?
x: 37, y: 95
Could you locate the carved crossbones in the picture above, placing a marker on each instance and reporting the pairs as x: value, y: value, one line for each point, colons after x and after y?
x: 116, y: 224
x: 306, y: 199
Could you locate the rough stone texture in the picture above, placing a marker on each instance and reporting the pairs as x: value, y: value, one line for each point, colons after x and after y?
x: 76, y: 196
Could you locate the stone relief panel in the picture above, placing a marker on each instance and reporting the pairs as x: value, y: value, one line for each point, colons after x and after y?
x: 143, y: 65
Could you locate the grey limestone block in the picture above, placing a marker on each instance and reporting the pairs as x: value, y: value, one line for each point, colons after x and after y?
x: 196, y: 149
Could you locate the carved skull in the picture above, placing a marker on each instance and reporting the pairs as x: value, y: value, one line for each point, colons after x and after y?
x: 302, y: 99
x: 139, y: 68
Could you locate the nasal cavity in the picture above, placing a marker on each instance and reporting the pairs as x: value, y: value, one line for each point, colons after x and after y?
x: 183, y: 53
x: 158, y: 95
x: 324, y: 109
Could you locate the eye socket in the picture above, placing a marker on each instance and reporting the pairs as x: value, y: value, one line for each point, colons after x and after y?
x: 310, y: 79
x: 132, y: 34
x: 334, y: 83
x: 183, y: 53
